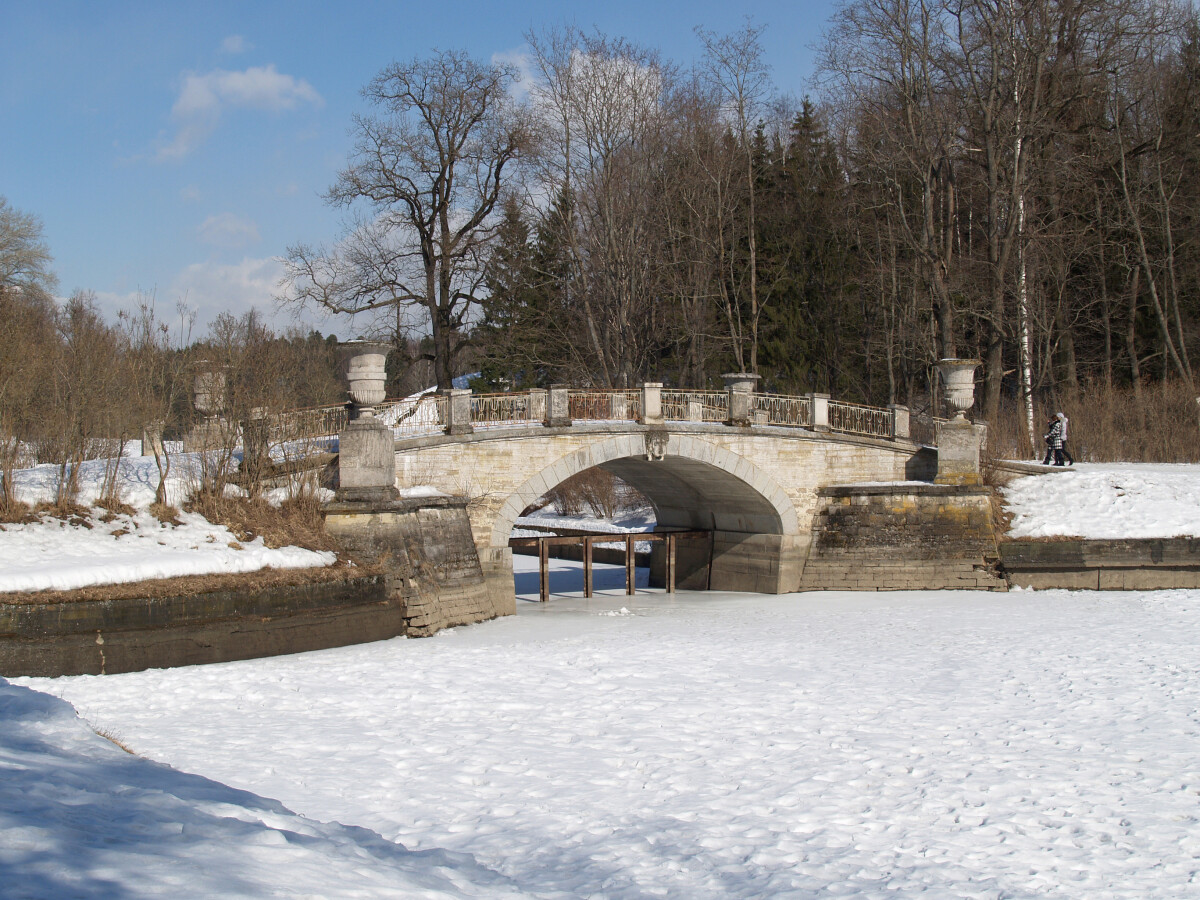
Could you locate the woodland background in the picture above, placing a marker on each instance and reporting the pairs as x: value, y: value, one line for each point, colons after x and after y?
x: 1010, y: 181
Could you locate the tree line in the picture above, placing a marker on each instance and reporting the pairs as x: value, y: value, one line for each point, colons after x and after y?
x: 1009, y: 181
x: 75, y: 387
x: 1012, y: 181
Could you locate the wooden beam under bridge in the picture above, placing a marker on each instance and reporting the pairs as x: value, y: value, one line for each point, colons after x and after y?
x: 586, y: 541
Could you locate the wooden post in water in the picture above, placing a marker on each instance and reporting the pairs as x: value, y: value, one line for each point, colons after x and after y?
x: 670, y: 564
x: 543, y: 570
x: 630, y: 562
x: 587, y: 566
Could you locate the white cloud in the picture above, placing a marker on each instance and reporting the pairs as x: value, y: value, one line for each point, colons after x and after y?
x: 189, y: 194
x: 228, y: 231
x: 521, y: 61
x: 234, y: 44
x: 212, y: 288
x: 204, y: 97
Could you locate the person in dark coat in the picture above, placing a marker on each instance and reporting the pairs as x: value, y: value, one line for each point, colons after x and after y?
x: 1051, y: 437
x: 1056, y: 442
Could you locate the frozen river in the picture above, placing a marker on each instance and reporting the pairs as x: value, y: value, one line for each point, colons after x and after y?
x: 936, y: 744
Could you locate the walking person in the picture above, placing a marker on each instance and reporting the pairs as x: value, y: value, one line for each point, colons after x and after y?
x: 1051, y: 437
x: 1061, y: 451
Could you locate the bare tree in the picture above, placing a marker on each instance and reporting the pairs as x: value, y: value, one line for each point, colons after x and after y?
x: 26, y: 333
x: 1152, y: 175
x: 430, y: 169
x: 606, y: 111
x: 885, y: 58
x: 156, y: 368
x: 86, y: 417
x: 24, y: 258
x: 735, y: 65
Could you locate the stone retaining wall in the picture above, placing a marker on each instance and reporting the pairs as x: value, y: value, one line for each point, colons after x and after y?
x: 430, y: 579
x: 97, y: 637
x: 1114, y: 565
x: 426, y: 549
x: 902, y: 536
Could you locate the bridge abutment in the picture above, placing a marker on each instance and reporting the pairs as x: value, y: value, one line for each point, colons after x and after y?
x: 734, y: 561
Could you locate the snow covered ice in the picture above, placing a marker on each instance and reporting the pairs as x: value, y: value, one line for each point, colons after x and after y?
x: 925, y: 744
x: 81, y: 818
x: 732, y: 746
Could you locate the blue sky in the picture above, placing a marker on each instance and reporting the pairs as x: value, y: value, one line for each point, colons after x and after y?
x: 180, y: 148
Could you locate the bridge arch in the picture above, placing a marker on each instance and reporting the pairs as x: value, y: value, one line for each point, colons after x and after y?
x: 692, y: 484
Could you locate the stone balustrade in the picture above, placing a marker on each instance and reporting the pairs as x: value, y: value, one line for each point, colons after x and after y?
x: 460, y: 411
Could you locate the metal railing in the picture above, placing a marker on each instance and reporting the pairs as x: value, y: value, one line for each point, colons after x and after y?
x: 695, y: 406
x: 605, y: 406
x: 505, y: 409
x: 852, y: 418
x: 413, y: 416
x: 317, y: 421
x: 923, y: 429
x: 778, y: 409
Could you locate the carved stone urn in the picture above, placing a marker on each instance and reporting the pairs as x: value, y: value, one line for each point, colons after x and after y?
x: 366, y: 452
x: 363, y: 366
x: 958, y: 377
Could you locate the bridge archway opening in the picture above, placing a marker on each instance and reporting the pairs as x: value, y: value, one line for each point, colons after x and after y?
x: 755, y: 542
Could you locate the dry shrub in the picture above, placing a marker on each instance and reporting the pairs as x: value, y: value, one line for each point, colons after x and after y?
x: 596, y: 492
x: 165, y: 513
x: 14, y: 512
x: 1160, y: 424
x: 115, y: 507
x: 296, y: 522
x: 592, y: 491
x: 72, y: 513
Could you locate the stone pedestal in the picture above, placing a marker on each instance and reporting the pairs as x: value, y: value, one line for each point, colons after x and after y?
x: 960, y: 448
x: 367, y: 462
x: 652, y: 413
x: 740, y: 386
x: 538, y: 403
x: 900, y: 421
x: 458, y: 411
x: 820, y: 411
x: 558, y: 411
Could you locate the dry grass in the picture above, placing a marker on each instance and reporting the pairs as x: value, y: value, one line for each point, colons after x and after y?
x: 165, y: 513
x: 113, y: 739
x: 113, y: 508
x: 192, y: 585
x: 297, y: 522
x: 1110, y: 425
x: 16, y: 513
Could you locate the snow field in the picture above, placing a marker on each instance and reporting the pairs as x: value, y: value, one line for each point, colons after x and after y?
x: 80, y: 818
x: 1107, y: 501
x: 733, y: 746
x: 59, y: 555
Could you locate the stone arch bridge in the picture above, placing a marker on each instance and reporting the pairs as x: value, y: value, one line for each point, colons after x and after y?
x: 746, y: 467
